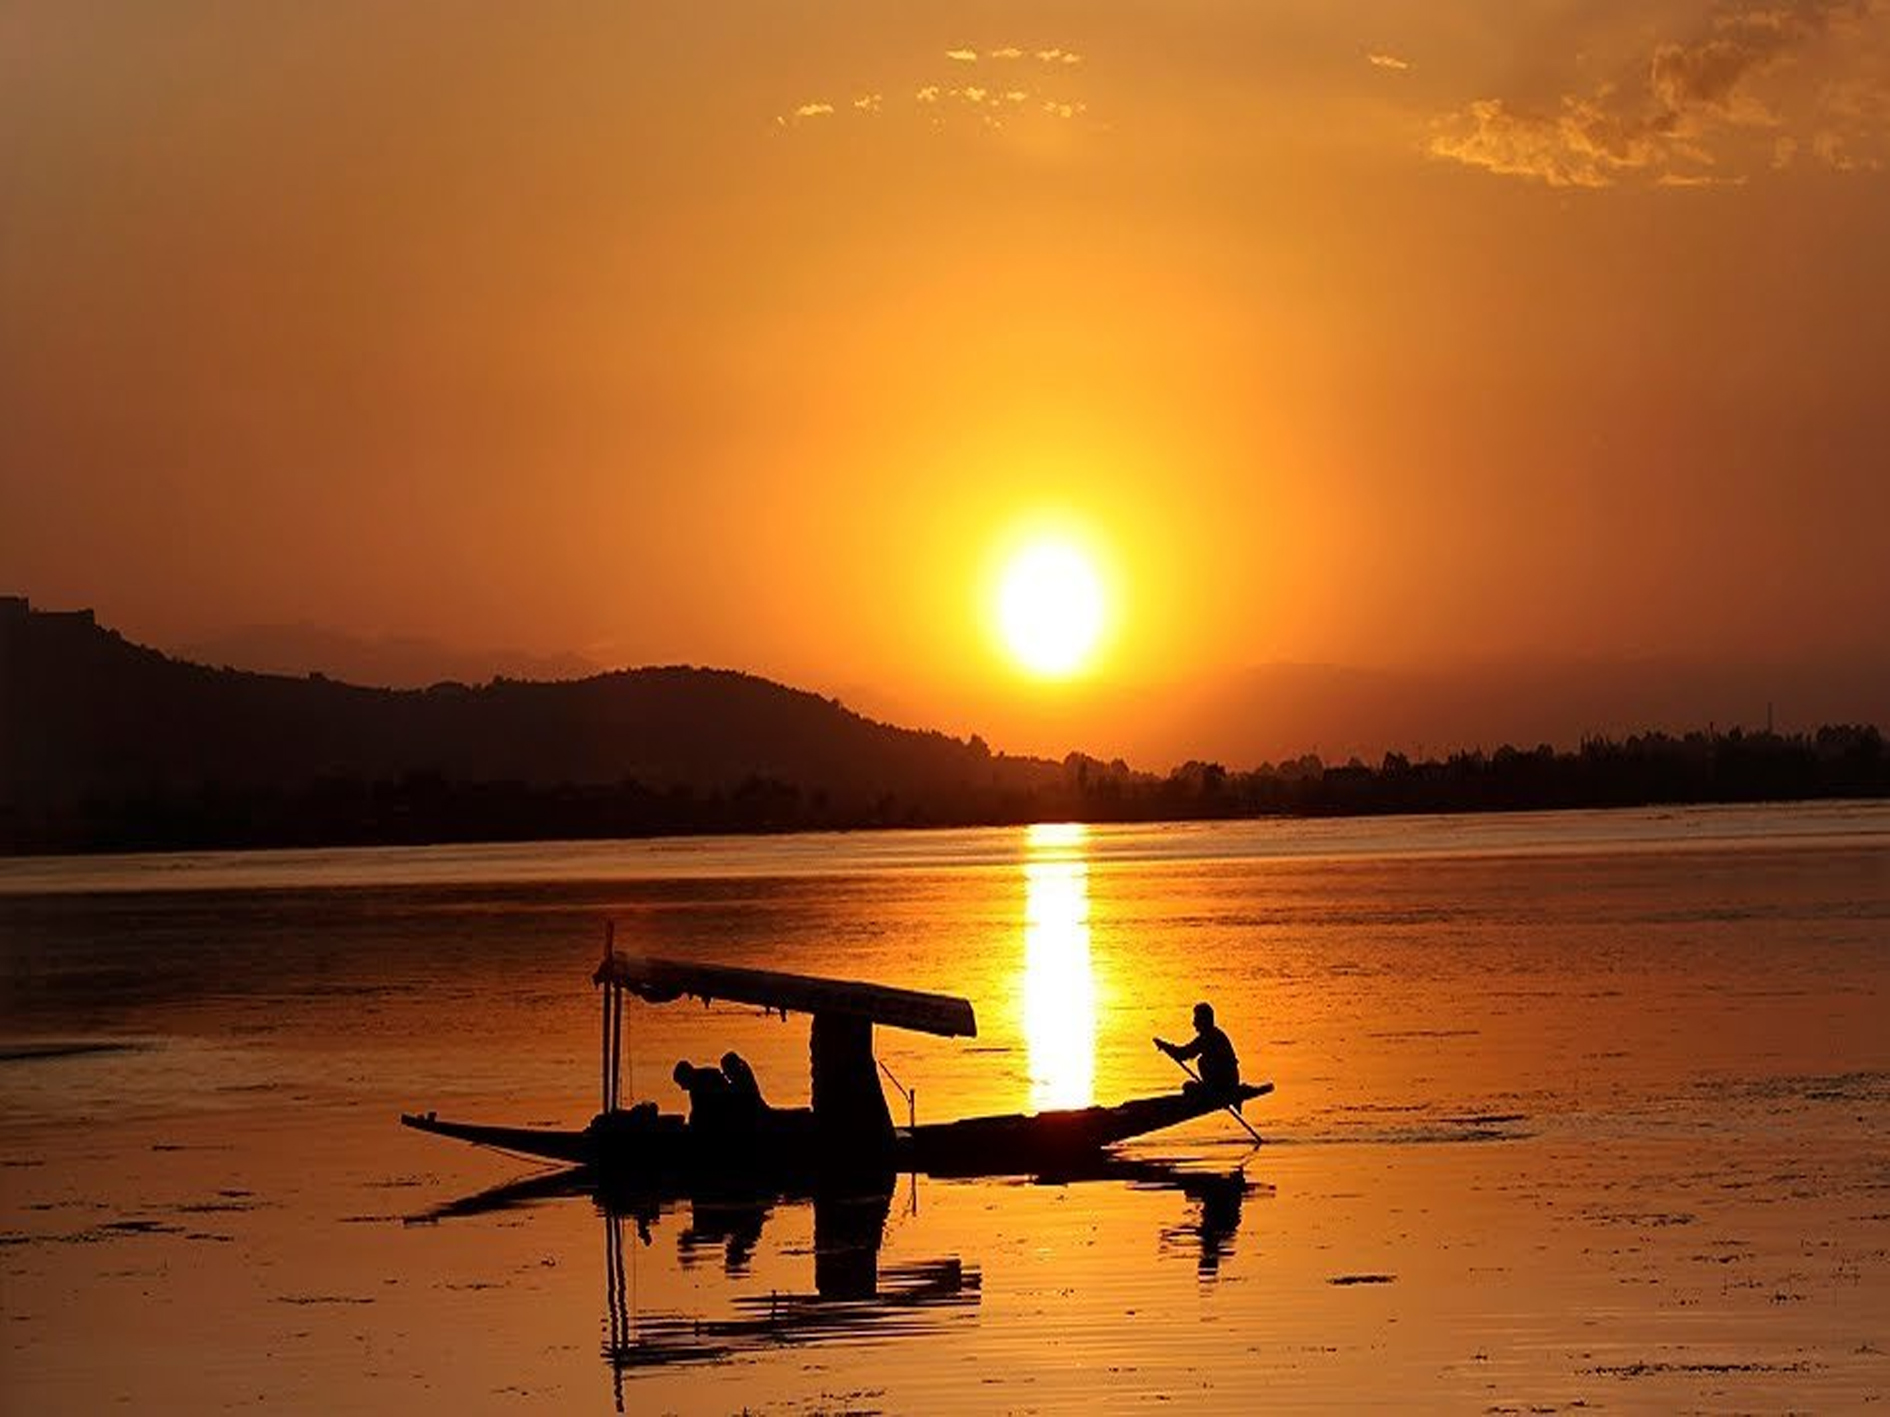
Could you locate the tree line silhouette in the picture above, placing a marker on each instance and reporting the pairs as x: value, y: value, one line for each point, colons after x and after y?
x: 107, y: 746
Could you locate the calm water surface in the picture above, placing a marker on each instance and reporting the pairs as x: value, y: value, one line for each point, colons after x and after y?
x: 1573, y: 1110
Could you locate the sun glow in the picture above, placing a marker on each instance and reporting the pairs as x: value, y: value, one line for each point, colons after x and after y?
x: 1050, y: 608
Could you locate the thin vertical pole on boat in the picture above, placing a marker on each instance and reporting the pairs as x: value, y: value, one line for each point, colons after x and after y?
x: 604, y: 1100
x: 609, y: 1009
x: 616, y: 1047
x: 910, y: 1094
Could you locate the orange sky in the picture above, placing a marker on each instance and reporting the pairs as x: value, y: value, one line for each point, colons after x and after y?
x: 742, y: 333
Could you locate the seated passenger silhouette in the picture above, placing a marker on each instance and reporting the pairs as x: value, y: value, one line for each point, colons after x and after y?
x: 711, y: 1099
x: 746, y: 1103
x: 1220, y: 1069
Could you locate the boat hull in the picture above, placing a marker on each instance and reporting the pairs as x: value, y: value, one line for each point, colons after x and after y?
x: 1025, y: 1143
x: 782, y: 1150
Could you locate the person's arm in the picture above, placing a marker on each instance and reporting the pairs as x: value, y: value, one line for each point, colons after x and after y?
x: 1185, y: 1051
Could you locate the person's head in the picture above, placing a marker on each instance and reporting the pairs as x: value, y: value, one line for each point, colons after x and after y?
x: 1203, y: 1016
x: 733, y: 1062
x: 684, y: 1073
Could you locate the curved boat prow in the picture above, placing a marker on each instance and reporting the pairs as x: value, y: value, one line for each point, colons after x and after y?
x: 1026, y: 1142
x: 550, y: 1143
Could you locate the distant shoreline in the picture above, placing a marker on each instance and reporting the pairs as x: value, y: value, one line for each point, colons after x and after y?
x: 111, y: 747
x: 369, y: 842
x: 1714, y: 832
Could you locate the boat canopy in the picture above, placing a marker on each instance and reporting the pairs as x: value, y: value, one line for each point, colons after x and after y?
x: 659, y: 981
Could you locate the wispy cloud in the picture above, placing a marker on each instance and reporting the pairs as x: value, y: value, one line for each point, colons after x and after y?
x: 1032, y: 86
x: 1387, y: 61
x: 1009, y: 52
x: 1664, y: 128
x: 1580, y: 144
x: 806, y: 111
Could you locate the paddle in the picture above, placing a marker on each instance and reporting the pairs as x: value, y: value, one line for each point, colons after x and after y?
x: 1226, y: 1107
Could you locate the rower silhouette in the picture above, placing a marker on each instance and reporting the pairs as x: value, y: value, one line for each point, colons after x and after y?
x: 1220, y: 1068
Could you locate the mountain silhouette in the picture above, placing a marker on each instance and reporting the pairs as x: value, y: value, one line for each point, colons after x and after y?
x: 104, y: 742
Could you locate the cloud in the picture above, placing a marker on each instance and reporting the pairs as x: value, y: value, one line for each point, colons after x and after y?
x: 1009, y: 52
x: 1387, y: 61
x: 1019, y: 94
x: 805, y: 112
x: 1699, y: 179
x: 1579, y: 145
x: 1667, y: 126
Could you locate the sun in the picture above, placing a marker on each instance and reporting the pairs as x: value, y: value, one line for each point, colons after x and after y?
x: 1050, y: 608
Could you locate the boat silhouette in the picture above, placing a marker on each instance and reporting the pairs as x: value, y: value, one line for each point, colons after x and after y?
x: 846, y: 1137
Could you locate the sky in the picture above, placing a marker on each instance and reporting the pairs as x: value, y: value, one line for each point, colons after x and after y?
x: 1410, y: 339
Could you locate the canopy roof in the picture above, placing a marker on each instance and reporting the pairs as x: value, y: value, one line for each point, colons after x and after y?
x: 660, y: 980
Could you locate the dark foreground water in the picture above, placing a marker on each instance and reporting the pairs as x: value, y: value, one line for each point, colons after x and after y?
x: 1574, y: 1110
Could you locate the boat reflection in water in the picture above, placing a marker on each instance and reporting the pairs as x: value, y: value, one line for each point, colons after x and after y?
x: 1206, y: 1233
x: 1209, y: 1230
x: 1059, y: 983
x: 853, y: 1296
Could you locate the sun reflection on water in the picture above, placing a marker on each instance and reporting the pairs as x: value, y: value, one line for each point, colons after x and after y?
x: 1059, y: 982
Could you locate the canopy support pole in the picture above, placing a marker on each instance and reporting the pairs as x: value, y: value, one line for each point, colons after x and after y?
x: 603, y: 1104
x: 612, y: 1061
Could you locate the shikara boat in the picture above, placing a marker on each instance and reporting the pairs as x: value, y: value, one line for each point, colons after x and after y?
x: 847, y: 1134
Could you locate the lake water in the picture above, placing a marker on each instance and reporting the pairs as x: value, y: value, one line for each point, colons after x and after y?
x: 1574, y: 1110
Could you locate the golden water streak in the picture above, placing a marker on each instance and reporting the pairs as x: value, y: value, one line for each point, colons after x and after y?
x: 1059, y: 991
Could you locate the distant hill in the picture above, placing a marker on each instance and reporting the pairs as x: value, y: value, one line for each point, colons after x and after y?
x: 104, y: 743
